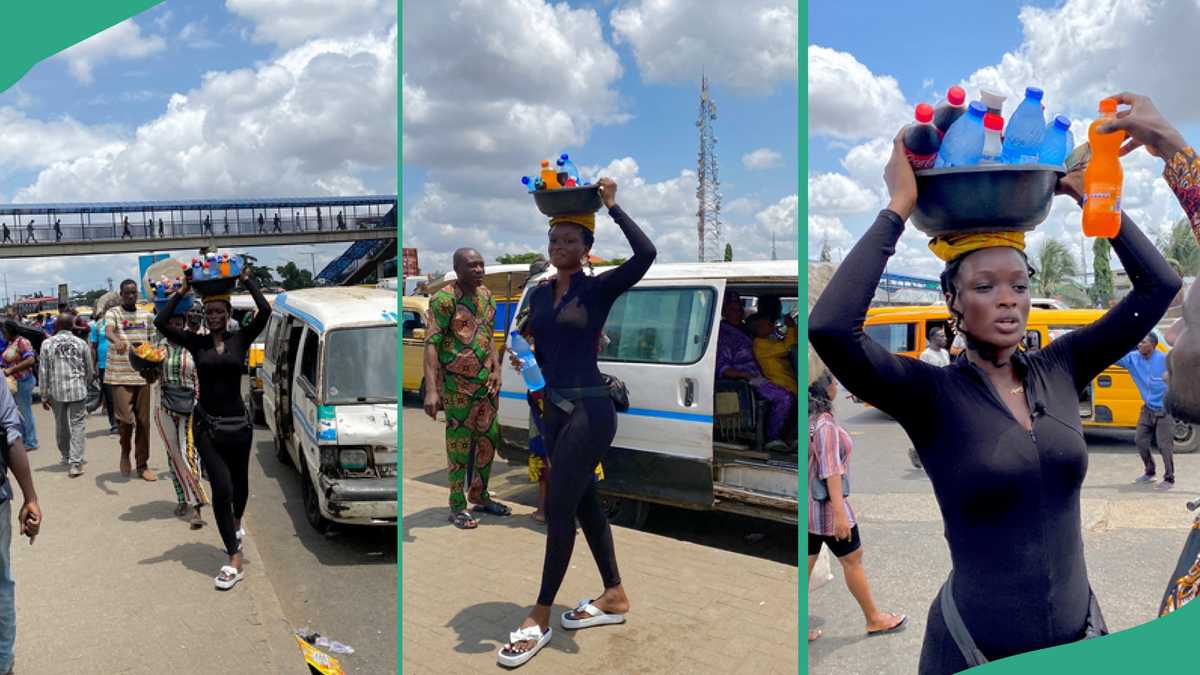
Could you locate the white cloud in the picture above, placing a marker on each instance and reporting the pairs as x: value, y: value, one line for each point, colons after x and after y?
x: 762, y: 158
x: 485, y: 111
x: 748, y: 45
x: 847, y: 101
x: 1079, y: 53
x: 195, y: 34
x: 123, y: 41
x: 309, y: 122
x: 835, y: 193
x: 29, y: 143
x: 289, y: 23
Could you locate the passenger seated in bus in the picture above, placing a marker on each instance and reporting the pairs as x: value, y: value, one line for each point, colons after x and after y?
x: 735, y: 361
x: 771, y: 353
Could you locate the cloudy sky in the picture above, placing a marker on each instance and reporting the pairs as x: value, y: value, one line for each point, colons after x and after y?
x: 205, y: 99
x: 862, y: 88
x: 491, y: 88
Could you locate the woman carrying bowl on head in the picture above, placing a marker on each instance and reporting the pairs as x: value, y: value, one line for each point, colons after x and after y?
x: 997, y: 431
x: 221, y: 426
x: 566, y: 315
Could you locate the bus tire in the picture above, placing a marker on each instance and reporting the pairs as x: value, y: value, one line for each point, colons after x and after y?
x: 625, y: 512
x: 312, y: 503
x: 1187, y: 437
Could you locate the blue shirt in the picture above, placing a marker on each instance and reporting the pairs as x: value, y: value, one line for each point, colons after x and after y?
x: 1147, y: 374
x: 98, y: 337
x: 10, y: 422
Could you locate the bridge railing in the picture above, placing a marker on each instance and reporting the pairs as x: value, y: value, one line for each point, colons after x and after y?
x: 100, y: 229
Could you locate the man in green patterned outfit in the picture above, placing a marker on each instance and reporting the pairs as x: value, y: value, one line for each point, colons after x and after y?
x: 462, y: 377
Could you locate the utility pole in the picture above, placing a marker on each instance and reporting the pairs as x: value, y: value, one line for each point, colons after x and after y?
x: 312, y: 260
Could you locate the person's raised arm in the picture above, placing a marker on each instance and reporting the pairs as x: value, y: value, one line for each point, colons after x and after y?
x: 895, y: 384
x: 615, y: 282
x: 263, y: 308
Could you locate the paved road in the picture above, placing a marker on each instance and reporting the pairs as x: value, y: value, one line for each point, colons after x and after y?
x: 1132, y: 537
x: 342, y: 584
x: 708, y: 597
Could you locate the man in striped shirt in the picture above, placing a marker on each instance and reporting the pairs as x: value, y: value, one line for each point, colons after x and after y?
x: 127, y: 326
x: 66, y: 369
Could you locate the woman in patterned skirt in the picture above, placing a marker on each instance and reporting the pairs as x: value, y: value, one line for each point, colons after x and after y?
x: 179, y: 390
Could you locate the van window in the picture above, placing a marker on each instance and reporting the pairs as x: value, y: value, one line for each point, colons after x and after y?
x: 895, y: 337
x: 360, y: 365
x: 308, y: 361
x: 660, y: 325
x: 412, y: 321
x: 272, y: 350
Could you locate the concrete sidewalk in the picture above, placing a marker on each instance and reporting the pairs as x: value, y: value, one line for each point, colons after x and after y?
x: 115, y: 583
x: 696, y: 609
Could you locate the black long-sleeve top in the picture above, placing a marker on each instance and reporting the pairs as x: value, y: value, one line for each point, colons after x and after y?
x: 1009, y: 497
x: 565, y: 336
x: 220, y: 374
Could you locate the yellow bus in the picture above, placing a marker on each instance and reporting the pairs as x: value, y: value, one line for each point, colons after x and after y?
x: 1111, y: 401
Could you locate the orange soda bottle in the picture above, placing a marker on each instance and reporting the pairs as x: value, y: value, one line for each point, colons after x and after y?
x: 549, y: 176
x: 225, y: 265
x: 1103, y: 177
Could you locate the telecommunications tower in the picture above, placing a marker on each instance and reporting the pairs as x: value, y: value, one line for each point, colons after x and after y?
x: 708, y: 187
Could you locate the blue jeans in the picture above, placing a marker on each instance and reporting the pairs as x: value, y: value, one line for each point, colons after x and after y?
x: 8, y: 605
x: 25, y: 404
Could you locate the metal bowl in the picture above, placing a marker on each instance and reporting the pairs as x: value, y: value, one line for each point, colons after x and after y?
x: 219, y: 286
x: 141, y: 365
x: 985, y: 198
x: 185, y: 303
x: 564, y: 201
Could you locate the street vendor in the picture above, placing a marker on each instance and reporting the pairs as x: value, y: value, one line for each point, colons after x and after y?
x: 998, y: 430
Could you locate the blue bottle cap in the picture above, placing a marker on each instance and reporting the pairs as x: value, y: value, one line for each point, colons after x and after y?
x: 977, y: 108
x: 1033, y: 93
x: 563, y: 157
x: 1062, y: 122
x: 525, y: 180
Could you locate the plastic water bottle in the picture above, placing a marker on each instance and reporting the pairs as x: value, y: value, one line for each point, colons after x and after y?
x: 921, y: 140
x: 993, y: 147
x: 948, y: 112
x: 529, y: 365
x: 1057, y: 142
x: 1023, y: 138
x: 567, y: 165
x: 963, y: 142
x: 529, y: 183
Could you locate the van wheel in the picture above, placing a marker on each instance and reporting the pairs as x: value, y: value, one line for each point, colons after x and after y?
x: 1187, y: 437
x: 312, y: 504
x: 625, y: 512
x: 281, y: 451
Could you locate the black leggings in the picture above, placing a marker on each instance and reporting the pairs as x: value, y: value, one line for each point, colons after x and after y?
x: 227, y: 461
x: 576, y: 443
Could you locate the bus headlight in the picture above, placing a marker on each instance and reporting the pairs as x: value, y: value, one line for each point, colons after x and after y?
x: 353, y: 459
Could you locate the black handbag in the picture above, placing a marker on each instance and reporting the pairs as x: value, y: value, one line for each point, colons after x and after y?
x: 618, y: 392
x: 179, y: 399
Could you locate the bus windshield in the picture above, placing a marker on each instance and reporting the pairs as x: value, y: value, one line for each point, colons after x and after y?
x: 360, y: 365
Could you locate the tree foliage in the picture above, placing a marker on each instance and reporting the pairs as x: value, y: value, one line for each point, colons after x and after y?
x: 518, y: 258
x: 1101, y: 290
x: 728, y: 252
x: 825, y: 253
x: 1180, y: 245
x: 293, y: 277
x: 1056, y: 267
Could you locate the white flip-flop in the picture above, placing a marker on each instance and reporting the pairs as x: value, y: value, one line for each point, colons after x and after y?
x: 596, y: 617
x: 521, y: 635
x: 226, y: 584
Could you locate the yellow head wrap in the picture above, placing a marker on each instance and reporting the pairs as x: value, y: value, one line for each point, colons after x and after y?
x: 224, y: 297
x: 585, y: 220
x: 958, y: 245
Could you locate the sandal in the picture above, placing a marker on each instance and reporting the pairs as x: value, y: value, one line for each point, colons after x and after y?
x: 463, y: 520
x: 197, y: 522
x: 505, y: 656
x: 228, y: 577
x: 593, y: 616
x: 813, y: 634
x: 493, y: 507
x: 896, y: 627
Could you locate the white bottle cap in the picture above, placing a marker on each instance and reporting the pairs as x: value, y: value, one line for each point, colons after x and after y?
x: 993, y: 100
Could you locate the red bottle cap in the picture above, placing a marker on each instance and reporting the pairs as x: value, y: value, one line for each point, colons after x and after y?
x: 924, y: 113
x: 993, y: 122
x: 956, y: 95
x: 1108, y: 105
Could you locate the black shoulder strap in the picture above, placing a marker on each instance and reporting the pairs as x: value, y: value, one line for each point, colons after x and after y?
x: 958, y: 630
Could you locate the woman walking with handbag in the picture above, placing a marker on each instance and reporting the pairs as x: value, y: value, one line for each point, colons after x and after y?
x: 830, y: 518
x: 178, y: 392
x: 221, y: 427
x: 19, y: 359
x: 566, y: 315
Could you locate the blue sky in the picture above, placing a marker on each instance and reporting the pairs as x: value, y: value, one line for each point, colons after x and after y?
x: 635, y: 117
x: 200, y: 99
x: 863, y: 86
